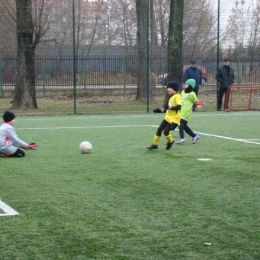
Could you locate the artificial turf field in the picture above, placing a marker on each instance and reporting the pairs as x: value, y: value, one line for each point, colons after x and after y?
x: 124, y: 202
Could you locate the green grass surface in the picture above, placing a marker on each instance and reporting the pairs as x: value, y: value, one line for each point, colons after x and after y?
x: 127, y: 104
x: 123, y: 202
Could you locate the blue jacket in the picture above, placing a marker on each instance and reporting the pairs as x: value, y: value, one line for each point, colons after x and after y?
x: 193, y: 73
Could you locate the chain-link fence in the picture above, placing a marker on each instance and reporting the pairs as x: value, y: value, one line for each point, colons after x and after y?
x: 116, y: 71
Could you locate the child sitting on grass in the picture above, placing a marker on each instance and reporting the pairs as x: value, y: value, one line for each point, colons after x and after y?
x: 9, y: 141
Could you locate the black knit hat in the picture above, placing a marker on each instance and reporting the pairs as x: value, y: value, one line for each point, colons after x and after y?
x: 174, y: 85
x: 8, y: 116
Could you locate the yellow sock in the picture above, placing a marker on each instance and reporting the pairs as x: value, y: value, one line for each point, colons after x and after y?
x: 169, y: 138
x: 156, y: 140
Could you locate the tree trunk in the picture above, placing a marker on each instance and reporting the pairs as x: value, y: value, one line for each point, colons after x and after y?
x: 175, y: 67
x: 154, y: 36
x: 25, y: 93
x: 142, y: 32
x: 174, y: 61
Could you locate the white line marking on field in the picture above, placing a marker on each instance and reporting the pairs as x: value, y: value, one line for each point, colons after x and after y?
x: 90, y: 117
x: 8, y: 211
x: 225, y: 114
x: 123, y: 126
x: 229, y: 138
x: 225, y: 137
x: 200, y: 114
x: 83, y: 127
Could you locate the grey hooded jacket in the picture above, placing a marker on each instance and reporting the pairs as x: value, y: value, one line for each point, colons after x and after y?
x: 9, y: 141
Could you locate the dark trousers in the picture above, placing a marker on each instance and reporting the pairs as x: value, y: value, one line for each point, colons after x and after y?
x: 184, y: 127
x: 165, y: 127
x: 221, y: 92
x: 17, y: 153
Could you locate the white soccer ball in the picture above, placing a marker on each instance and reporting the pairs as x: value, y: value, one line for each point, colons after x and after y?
x: 85, y: 147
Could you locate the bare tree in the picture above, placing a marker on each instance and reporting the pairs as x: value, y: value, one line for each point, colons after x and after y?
x: 174, y: 62
x: 25, y: 93
x: 254, y: 38
x: 154, y: 36
x: 32, y: 21
x: 89, y: 24
x: 243, y: 34
x: 122, y: 22
x: 174, y: 65
x: 237, y: 27
x: 142, y: 10
x: 199, y: 27
x: 162, y: 10
x: 8, y: 42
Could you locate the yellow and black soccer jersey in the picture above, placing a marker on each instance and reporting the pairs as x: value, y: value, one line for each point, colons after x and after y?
x: 174, y: 116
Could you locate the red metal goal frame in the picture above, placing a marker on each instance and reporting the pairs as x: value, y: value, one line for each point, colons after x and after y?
x: 228, y: 98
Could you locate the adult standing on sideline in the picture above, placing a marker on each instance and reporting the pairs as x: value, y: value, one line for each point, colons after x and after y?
x: 225, y: 76
x: 193, y: 72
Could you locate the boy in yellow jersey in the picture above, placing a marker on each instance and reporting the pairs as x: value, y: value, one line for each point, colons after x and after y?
x: 172, y: 117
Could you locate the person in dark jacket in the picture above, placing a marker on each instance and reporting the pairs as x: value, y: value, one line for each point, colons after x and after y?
x: 193, y: 72
x: 225, y: 76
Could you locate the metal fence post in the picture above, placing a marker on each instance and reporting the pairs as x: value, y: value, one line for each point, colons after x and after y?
x: 1, y: 72
x: 238, y: 72
x: 218, y: 51
x: 85, y: 71
x: 201, y: 60
x: 44, y: 73
x: 163, y: 60
x: 74, y: 58
x: 124, y: 69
